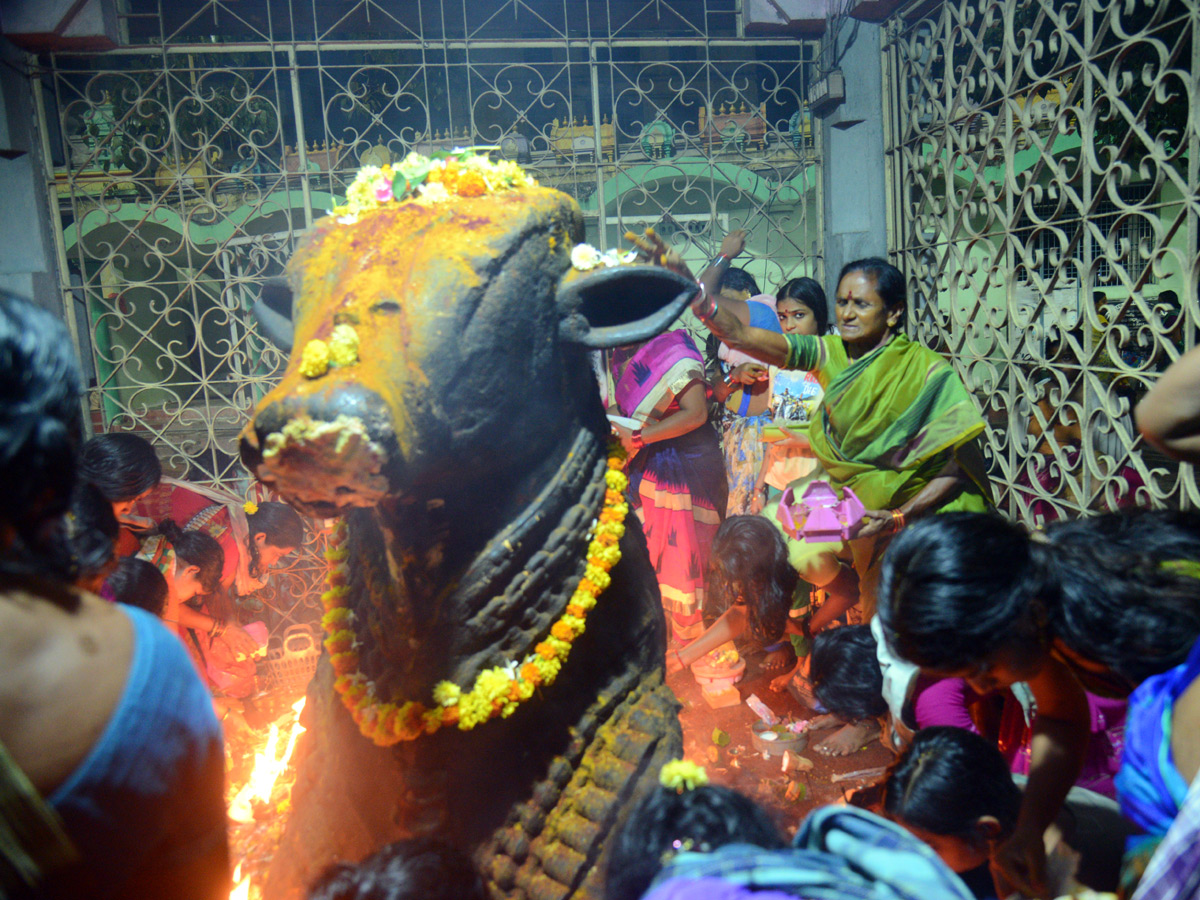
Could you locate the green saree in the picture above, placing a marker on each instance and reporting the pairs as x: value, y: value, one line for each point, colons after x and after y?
x: 890, y: 421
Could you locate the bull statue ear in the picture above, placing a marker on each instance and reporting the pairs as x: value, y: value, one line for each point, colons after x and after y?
x: 621, y: 305
x: 273, y: 312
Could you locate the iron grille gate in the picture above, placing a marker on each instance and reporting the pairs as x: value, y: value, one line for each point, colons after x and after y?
x: 1043, y: 188
x: 186, y: 163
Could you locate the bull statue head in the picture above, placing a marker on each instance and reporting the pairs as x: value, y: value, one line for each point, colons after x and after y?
x: 472, y: 329
x: 441, y: 398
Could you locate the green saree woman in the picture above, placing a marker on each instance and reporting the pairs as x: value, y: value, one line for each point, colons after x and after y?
x: 896, y: 424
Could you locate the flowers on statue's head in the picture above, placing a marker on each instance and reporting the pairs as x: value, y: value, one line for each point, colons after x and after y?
x: 585, y: 257
x: 466, y: 172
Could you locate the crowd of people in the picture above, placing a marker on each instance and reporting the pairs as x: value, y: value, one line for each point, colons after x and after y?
x: 1031, y: 683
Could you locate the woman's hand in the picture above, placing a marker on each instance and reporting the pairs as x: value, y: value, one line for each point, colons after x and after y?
x: 759, y: 500
x: 651, y: 248
x: 734, y: 243
x: 240, y: 641
x: 674, y: 662
x: 874, y: 522
x: 793, y: 441
x: 625, y: 436
x: 749, y: 373
x: 1019, y: 865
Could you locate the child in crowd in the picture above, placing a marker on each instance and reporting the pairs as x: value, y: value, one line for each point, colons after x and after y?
x: 953, y: 790
x: 751, y: 592
x: 795, y: 395
x: 416, y: 869
x: 136, y: 582
x: 124, y: 467
x: 684, y: 813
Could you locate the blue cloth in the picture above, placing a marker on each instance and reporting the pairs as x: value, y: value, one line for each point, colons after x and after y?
x: 147, y: 802
x: 1149, y: 787
x: 840, y: 853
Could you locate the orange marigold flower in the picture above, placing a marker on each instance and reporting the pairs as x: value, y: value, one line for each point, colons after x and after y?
x: 471, y: 184
x: 586, y: 587
x: 562, y: 631
x: 340, y: 641
x: 545, y: 651
x: 612, y: 497
x: 575, y: 610
x: 450, y: 715
x: 344, y: 663
x: 530, y: 673
x: 608, y: 515
x: 514, y: 692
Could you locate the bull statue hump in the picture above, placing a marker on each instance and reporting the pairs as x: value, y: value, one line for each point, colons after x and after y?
x: 440, y: 401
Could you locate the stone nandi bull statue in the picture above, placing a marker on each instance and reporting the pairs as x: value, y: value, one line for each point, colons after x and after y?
x: 465, y: 446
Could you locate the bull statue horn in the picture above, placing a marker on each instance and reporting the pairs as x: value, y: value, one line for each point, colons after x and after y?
x: 622, y: 305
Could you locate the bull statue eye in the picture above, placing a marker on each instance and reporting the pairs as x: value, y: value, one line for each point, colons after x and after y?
x: 387, y: 307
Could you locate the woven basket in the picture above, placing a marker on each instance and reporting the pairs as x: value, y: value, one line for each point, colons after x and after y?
x: 292, y: 659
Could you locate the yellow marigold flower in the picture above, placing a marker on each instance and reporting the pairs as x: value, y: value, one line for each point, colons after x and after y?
x: 473, y: 710
x: 597, y: 576
x: 492, y: 683
x: 616, y: 480
x: 613, y: 529
x: 575, y: 623
x: 525, y: 690
x: 583, y: 601
x: 249, y: 507
x: 344, y: 663
x: 340, y: 641
x: 336, y: 618
x: 561, y: 648
x: 343, y: 346
x: 562, y: 631
x: 446, y: 693
x: 314, y: 360
x: 681, y: 775
x: 549, y: 668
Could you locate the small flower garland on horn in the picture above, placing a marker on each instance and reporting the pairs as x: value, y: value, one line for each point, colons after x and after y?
x: 497, y: 691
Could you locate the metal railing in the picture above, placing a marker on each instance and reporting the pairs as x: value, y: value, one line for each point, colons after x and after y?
x: 1043, y: 202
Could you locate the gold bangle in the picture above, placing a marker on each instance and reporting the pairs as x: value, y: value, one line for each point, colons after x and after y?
x: 897, y: 520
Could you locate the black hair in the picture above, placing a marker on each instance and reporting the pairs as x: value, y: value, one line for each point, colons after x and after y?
x: 749, y: 557
x: 809, y: 292
x: 415, y: 869
x: 40, y: 386
x: 120, y: 464
x: 889, y: 282
x: 845, y: 673
x: 947, y: 779
x: 139, y: 583
x: 703, y: 819
x: 956, y: 587
x: 280, y: 523
x: 196, y: 548
x: 736, y: 279
x: 91, y: 531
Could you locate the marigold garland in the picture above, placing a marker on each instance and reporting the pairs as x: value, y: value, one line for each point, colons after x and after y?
x: 497, y: 691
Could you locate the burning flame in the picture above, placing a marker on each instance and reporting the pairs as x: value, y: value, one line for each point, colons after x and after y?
x: 268, y: 766
x: 242, y: 891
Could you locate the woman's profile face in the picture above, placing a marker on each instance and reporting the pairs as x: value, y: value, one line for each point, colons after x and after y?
x: 861, y: 315
x: 1015, y: 660
x: 795, y: 317
x: 269, y: 555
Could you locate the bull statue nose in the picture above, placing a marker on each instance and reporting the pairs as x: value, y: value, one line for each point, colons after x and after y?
x: 323, y: 452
